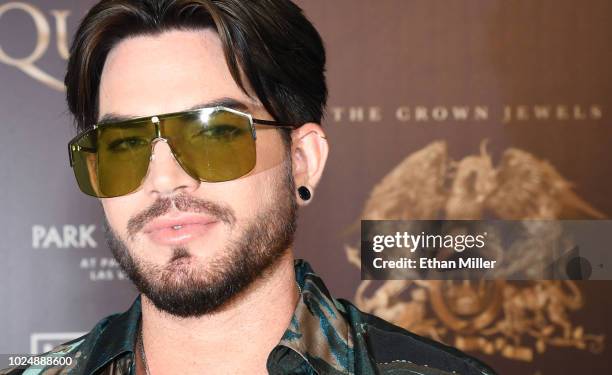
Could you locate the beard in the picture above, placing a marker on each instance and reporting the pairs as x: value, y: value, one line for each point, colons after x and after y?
x: 185, y: 291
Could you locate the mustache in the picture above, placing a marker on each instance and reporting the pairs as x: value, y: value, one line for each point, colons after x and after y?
x: 183, y: 203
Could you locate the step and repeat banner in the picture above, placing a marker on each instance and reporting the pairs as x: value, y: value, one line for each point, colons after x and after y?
x: 438, y: 110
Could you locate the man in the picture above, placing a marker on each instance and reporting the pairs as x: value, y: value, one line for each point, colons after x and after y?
x: 200, y: 134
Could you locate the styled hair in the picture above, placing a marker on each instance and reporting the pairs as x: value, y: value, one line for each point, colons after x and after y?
x: 270, y: 43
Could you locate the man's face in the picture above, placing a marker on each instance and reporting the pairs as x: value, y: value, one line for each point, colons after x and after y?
x: 191, y: 246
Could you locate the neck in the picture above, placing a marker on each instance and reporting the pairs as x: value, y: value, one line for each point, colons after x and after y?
x: 237, y: 339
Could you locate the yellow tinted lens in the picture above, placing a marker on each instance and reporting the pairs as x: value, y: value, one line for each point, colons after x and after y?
x: 113, y: 159
x: 212, y: 146
x: 85, y: 162
x: 124, y: 151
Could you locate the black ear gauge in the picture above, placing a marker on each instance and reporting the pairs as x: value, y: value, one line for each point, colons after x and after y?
x: 304, y: 193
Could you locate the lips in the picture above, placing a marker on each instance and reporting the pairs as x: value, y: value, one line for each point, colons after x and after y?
x: 178, y: 230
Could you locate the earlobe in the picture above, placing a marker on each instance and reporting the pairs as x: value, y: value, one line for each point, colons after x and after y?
x: 309, y: 154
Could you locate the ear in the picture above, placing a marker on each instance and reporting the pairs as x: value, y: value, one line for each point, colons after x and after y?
x: 309, y: 151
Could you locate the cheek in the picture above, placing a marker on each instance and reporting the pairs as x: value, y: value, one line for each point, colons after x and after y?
x: 254, y: 194
x: 118, y: 211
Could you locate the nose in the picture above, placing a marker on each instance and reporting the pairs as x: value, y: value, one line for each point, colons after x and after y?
x: 166, y: 177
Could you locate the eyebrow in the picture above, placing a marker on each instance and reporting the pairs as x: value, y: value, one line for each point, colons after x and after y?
x: 220, y: 102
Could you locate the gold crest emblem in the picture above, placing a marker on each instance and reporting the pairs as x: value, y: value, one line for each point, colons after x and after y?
x: 515, y: 319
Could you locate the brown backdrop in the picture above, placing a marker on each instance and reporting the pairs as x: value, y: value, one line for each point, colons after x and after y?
x: 402, y: 74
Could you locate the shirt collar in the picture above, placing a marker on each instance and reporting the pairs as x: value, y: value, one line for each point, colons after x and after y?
x: 113, y: 337
x: 318, y: 332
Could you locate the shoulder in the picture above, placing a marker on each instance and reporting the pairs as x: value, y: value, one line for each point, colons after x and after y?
x: 60, y: 359
x: 66, y: 358
x: 395, y: 349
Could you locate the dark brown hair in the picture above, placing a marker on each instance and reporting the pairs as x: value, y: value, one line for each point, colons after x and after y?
x: 269, y: 42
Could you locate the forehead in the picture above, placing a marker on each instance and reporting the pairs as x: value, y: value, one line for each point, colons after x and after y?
x: 169, y: 72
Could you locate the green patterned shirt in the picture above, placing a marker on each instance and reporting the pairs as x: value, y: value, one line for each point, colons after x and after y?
x: 325, y: 336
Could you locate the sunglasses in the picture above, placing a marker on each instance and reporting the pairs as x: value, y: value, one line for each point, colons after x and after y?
x: 211, y: 144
